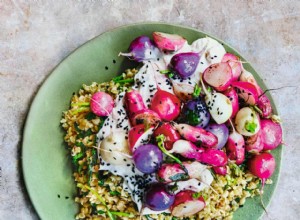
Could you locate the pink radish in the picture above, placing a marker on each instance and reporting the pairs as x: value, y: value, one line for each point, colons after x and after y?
x: 254, y: 143
x: 213, y: 157
x: 174, y: 172
x: 166, y: 105
x: 265, y: 106
x: 236, y: 147
x: 170, y: 133
x: 262, y: 166
x: 146, y: 117
x: 195, y: 134
x: 101, y: 104
x: 235, y: 65
x: 246, y: 91
x: 186, y: 204
x: 218, y: 75
x: 271, y: 134
x: 168, y: 173
x: 138, y: 135
x: 187, y: 149
x: 134, y: 102
x: 234, y: 99
x: 170, y: 42
x: 248, y: 77
x: 220, y: 170
x: 247, y: 122
x: 219, y: 105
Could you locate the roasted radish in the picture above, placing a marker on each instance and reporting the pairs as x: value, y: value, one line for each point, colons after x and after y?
x: 234, y: 99
x: 169, y: 42
x: 221, y: 131
x: 235, y: 65
x: 146, y: 117
x: 101, y: 104
x: 247, y: 91
x: 170, y: 133
x: 218, y: 75
x: 247, y: 121
x: 271, y: 134
x: 186, y: 204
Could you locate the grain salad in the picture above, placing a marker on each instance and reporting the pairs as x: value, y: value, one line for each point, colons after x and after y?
x: 182, y: 137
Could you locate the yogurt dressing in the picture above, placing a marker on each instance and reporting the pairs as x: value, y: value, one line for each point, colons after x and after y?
x: 147, y: 81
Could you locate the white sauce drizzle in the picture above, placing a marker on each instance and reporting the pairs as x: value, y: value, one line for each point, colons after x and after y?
x: 147, y: 81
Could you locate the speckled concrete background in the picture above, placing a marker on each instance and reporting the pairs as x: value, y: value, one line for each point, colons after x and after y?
x: 36, y: 35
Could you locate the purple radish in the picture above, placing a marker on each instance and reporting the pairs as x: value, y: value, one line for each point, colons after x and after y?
x: 166, y: 105
x: 186, y: 204
x: 265, y: 106
x: 220, y: 170
x: 218, y: 75
x: 219, y: 105
x: 263, y: 166
x: 146, y: 117
x: 235, y: 147
x: 247, y: 122
x: 187, y: 149
x: 158, y: 198
x: 101, y: 104
x: 221, y: 131
x: 195, y: 113
x: 134, y: 102
x: 234, y: 99
x: 247, y: 91
x: 184, y: 64
x: 195, y: 134
x: 248, y: 77
x: 271, y: 134
x: 214, y: 157
x: 254, y: 143
x: 142, y: 49
x: 235, y: 65
x: 147, y: 158
x: 169, y: 42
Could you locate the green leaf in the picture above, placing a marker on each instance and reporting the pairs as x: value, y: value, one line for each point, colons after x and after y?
x: 114, y: 193
x: 90, y: 116
x: 197, y: 91
x: 100, y: 212
x: 197, y: 195
x: 77, y: 157
x: 101, y: 182
x: 192, y: 117
x: 250, y: 126
x: 160, y: 143
x: 179, y: 176
x: 123, y: 214
x: 172, y: 188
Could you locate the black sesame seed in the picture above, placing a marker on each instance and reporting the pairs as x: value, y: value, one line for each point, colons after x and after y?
x: 67, y: 197
x: 114, y: 61
x: 58, y: 196
x: 106, y: 67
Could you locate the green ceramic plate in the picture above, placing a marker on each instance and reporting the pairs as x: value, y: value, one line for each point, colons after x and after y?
x: 46, y: 165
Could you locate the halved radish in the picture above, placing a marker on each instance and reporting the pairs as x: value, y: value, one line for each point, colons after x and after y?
x: 247, y: 122
x: 146, y: 117
x: 186, y: 204
x: 218, y: 75
x: 235, y: 65
x: 170, y: 133
x: 254, y: 143
x: 219, y: 105
x: 246, y: 91
x: 234, y: 99
x: 138, y: 135
x: 171, y: 42
x: 246, y: 76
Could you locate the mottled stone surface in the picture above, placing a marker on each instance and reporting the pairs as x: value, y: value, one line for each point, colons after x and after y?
x: 36, y: 35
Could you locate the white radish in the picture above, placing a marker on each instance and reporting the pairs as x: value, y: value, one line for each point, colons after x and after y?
x: 219, y: 105
x: 247, y: 121
x: 114, y: 148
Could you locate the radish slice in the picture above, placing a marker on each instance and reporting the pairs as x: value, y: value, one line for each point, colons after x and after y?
x: 247, y: 122
x: 218, y: 75
x: 171, y: 42
x: 235, y: 65
x: 246, y: 91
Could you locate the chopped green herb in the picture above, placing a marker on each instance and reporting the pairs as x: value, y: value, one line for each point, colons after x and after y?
x: 250, y: 126
x: 101, y: 182
x: 160, y: 143
x: 100, y: 212
x: 197, y: 91
x: 192, y: 117
x: 80, y: 104
x: 169, y: 73
x: 197, y: 195
x: 179, y: 176
x: 83, y: 134
x: 121, y: 80
x: 77, y: 157
x: 172, y: 188
x: 90, y: 116
x: 114, y: 193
